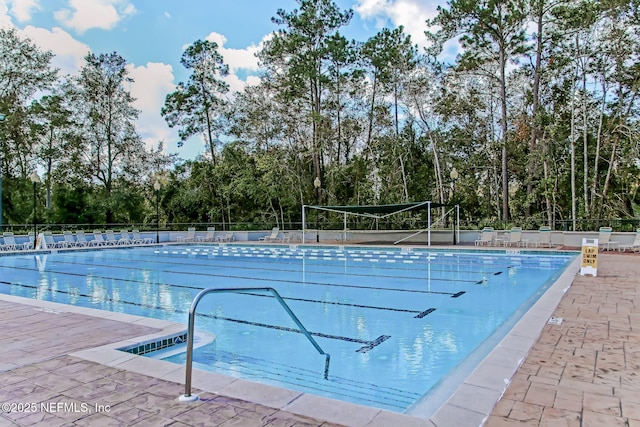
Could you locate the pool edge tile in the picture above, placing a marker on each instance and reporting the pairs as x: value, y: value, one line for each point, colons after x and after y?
x: 332, y: 410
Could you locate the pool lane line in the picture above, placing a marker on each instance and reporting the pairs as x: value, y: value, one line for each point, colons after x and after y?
x: 309, y: 272
x: 470, y: 281
x: 372, y: 307
x: 245, y: 255
x: 295, y: 282
x: 244, y: 259
x: 367, y: 343
x: 400, y: 310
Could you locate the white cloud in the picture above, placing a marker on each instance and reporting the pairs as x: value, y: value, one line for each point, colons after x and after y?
x: 82, y: 15
x: 237, y: 59
x: 152, y: 82
x: 22, y: 9
x: 5, y: 19
x: 244, y: 60
x: 69, y: 52
x: 411, y: 14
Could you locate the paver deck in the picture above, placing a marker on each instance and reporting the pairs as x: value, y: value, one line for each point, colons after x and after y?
x: 581, y: 372
x: 584, y: 371
x: 41, y: 384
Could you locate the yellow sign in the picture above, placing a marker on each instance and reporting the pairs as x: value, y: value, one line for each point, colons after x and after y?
x: 589, y: 263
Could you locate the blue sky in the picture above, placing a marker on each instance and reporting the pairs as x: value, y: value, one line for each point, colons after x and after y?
x: 152, y: 34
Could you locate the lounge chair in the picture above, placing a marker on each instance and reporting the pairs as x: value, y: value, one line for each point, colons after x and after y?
x: 69, y: 240
x: 110, y: 238
x: 32, y: 240
x: 227, y: 237
x: 189, y: 237
x: 604, y: 239
x: 125, y: 239
x: 275, y: 231
x: 139, y: 240
x: 50, y: 241
x: 81, y: 239
x: 515, y: 238
x: 544, y: 239
x: 98, y: 239
x: 486, y: 237
x: 635, y: 246
x: 10, y: 243
x: 209, y: 237
x: 293, y: 237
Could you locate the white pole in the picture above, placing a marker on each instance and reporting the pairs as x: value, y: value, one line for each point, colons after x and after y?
x: 303, y: 223
x: 429, y: 223
x: 458, y: 223
x: 344, y: 236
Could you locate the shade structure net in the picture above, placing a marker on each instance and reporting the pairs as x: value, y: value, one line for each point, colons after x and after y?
x: 373, y: 215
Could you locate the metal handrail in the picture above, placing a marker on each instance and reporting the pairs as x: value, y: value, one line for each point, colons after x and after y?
x: 191, y: 328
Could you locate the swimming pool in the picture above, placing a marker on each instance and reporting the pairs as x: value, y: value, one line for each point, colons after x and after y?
x: 395, y: 321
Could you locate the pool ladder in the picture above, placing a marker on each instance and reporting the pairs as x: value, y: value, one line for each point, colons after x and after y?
x: 187, y: 396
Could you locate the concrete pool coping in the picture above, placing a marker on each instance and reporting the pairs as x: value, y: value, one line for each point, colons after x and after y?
x: 470, y: 404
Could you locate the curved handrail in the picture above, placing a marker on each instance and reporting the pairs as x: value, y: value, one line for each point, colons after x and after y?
x: 191, y: 328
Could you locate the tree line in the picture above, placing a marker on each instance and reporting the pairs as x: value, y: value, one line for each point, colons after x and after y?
x: 537, y: 115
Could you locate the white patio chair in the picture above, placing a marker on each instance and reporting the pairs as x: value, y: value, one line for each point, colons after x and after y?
x: 485, y: 237
x: 544, y: 238
x: 69, y: 240
x: 125, y: 238
x: 51, y: 241
x: 604, y: 239
x: 189, y: 237
x: 111, y: 239
x: 635, y: 246
x: 139, y: 239
x: 81, y: 239
x: 227, y: 237
x: 275, y: 231
x: 98, y: 239
x: 209, y: 237
x: 515, y: 237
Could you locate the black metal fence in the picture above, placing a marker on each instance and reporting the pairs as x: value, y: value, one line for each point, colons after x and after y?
x: 325, y: 223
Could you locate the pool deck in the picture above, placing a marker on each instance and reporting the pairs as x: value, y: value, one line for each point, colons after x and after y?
x: 62, y: 363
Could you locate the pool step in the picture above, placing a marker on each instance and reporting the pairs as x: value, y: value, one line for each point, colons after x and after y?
x: 306, y: 380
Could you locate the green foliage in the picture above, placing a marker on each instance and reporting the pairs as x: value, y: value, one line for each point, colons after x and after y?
x: 195, y: 106
x: 543, y: 128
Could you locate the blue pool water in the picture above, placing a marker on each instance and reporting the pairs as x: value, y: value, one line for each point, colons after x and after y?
x: 395, y: 322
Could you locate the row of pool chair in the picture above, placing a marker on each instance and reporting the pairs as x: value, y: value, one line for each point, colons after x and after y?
x: 513, y: 237
x: 77, y: 240
x: 8, y: 242
x: 109, y: 238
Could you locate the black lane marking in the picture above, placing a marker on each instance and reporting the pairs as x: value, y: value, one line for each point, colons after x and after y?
x: 424, y: 313
x: 373, y: 344
x: 367, y: 343
x: 296, y: 282
x: 497, y: 273
x: 401, y: 310
x: 373, y: 307
x: 458, y: 294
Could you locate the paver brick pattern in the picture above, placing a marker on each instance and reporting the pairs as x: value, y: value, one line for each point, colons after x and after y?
x: 49, y: 388
x: 585, y: 371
